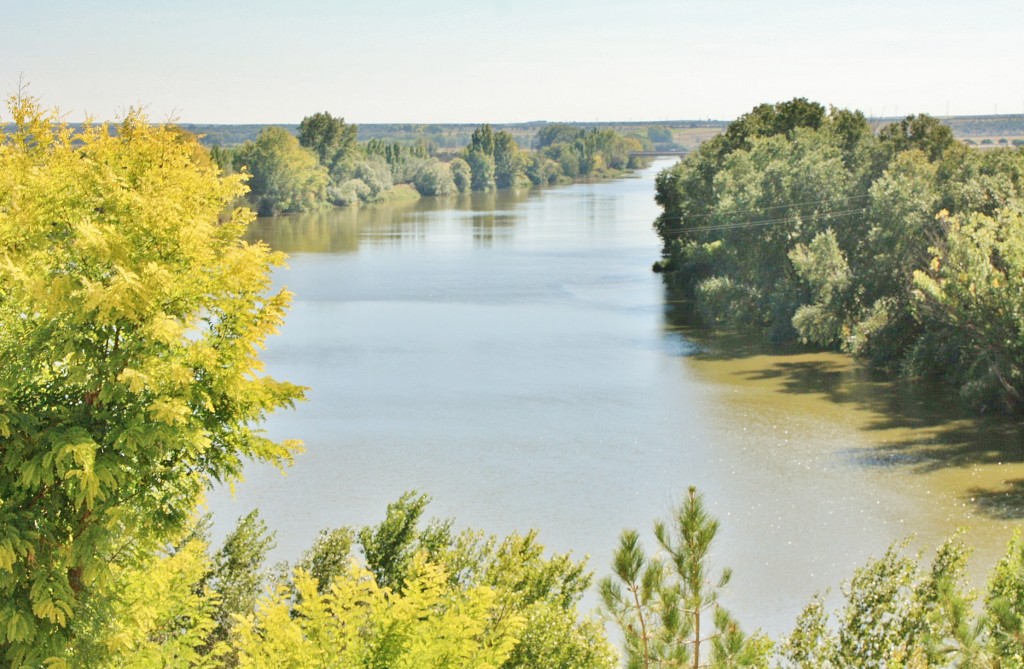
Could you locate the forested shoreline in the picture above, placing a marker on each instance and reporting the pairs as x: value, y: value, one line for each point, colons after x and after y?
x: 901, y: 246
x: 325, y: 165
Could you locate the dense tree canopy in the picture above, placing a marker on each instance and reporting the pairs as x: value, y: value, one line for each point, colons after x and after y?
x: 286, y: 177
x: 807, y: 224
x: 399, y: 593
x: 333, y: 141
x: 130, y: 318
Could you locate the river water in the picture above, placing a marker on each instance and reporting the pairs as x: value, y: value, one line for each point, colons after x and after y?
x: 512, y: 355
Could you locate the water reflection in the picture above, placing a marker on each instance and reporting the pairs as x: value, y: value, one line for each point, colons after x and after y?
x: 490, y: 228
x: 490, y: 218
x: 335, y: 231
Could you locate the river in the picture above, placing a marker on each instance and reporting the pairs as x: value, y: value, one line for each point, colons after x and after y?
x: 512, y: 355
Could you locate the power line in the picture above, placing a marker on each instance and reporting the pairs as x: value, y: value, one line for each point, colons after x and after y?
x: 785, y: 206
x: 769, y: 222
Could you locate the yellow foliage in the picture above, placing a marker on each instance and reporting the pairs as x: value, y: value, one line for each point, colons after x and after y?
x: 131, y: 318
x: 359, y: 624
x: 159, y: 618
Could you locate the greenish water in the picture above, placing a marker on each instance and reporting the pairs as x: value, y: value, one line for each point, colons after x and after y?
x: 514, y: 356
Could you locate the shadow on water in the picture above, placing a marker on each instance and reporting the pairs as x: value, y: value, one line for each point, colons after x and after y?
x: 919, y: 427
x: 1000, y: 504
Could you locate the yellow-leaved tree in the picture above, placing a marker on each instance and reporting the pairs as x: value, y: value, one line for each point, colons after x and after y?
x: 357, y: 623
x: 131, y: 314
x: 160, y: 616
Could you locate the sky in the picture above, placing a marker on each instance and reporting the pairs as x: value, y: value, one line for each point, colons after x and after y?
x: 475, y: 61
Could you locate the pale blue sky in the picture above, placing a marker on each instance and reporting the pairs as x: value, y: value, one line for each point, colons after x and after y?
x: 257, y: 61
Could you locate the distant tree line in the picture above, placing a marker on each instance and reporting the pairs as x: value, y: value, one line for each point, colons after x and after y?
x: 903, y: 247
x: 325, y: 164
x: 445, y: 136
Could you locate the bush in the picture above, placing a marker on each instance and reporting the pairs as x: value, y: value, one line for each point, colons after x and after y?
x: 435, y: 178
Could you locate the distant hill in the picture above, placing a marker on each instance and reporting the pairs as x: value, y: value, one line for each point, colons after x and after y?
x: 1007, y: 125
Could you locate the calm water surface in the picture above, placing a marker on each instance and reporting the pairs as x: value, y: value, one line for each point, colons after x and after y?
x: 513, y: 356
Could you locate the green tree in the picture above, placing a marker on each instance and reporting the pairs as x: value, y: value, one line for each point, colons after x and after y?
x: 462, y: 175
x: 823, y: 266
x: 482, y: 140
x: 660, y: 134
x: 567, y: 157
x: 481, y: 166
x: 479, y: 155
x: 508, y: 163
x: 769, y: 120
x: 970, y: 295
x: 376, y: 174
x: 922, y: 132
x: 541, y: 170
x: 1004, y: 607
x: 850, y: 131
x: 131, y: 315
x: 435, y: 178
x: 903, y: 203
x: 546, y: 592
x: 772, y: 196
x: 390, y: 546
x: 224, y: 158
x: 328, y: 557
x: 811, y: 644
x: 895, y: 615
x: 333, y: 141
x: 668, y: 607
x: 635, y: 608
x: 404, y: 161
x: 555, y: 133
x: 286, y: 177
x: 159, y: 615
x: 238, y: 573
x: 983, y: 182
x: 607, y: 148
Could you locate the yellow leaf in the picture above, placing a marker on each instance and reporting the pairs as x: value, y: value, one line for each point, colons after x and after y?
x: 7, y: 555
x: 170, y: 411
